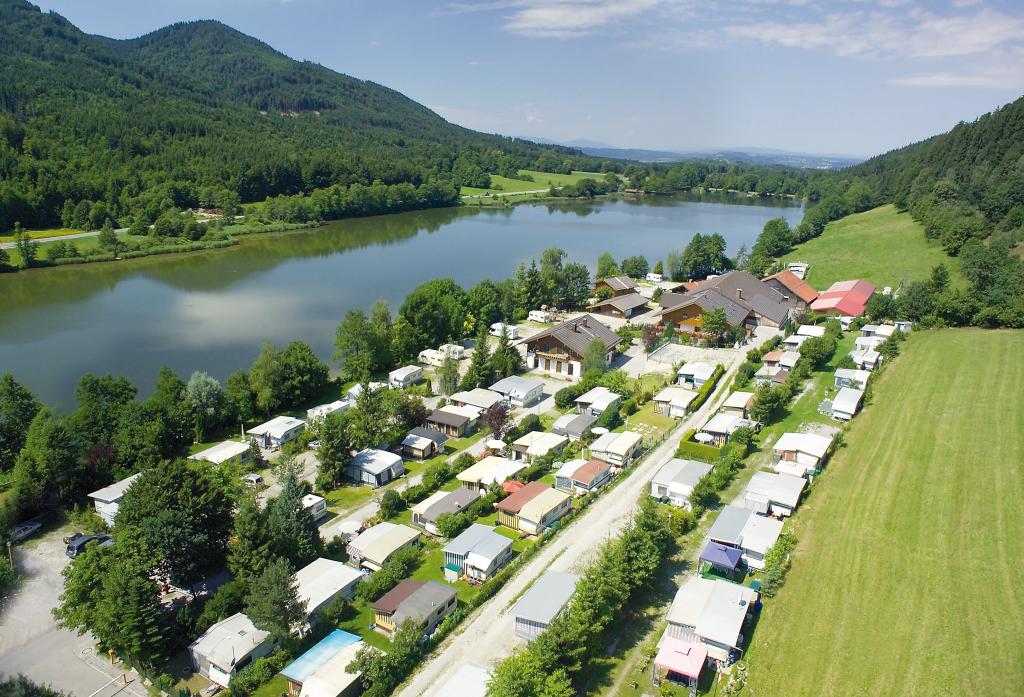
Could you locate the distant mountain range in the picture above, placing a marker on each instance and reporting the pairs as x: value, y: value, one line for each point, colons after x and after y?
x: 749, y: 155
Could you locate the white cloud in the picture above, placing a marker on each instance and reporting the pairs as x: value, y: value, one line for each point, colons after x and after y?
x: 564, y: 19
x: 915, y: 33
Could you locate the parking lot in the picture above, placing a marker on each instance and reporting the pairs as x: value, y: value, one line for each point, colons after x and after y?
x: 33, y: 645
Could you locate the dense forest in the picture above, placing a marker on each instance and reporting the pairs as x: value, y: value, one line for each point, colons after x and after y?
x: 198, y: 114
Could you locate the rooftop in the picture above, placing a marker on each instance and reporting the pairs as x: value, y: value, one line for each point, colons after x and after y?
x: 492, y: 469
x: 319, y: 655
x: 375, y: 461
x: 222, y: 452
x: 546, y: 597
x: 599, y: 398
x: 477, y: 397
x: 622, y: 303
x: 795, y: 285
x: 478, y: 539
x: 513, y: 503
x: 681, y: 472
x: 543, y: 503
x: 323, y: 578
x: 779, y: 488
x: 516, y: 384
x: 277, y: 427
x: 739, y: 400
x: 229, y: 640
x: 728, y: 526
x: 809, y: 443
x: 578, y: 333
x: 115, y: 491
x: 618, y: 282
x: 677, y: 396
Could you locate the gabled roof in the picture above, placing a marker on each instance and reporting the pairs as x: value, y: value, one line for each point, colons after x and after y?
x: 774, y: 310
x: 513, y: 503
x: 618, y: 282
x: 229, y: 640
x: 711, y: 299
x: 600, y: 397
x: 795, y: 285
x: 479, y: 539
x: 445, y: 502
x: 405, y: 372
x: 392, y: 600
x: 428, y: 434
x: 573, y: 423
x: 698, y: 369
x: 622, y: 303
x: 578, y: 333
x: 589, y: 471
x: 491, y: 470
x: 845, y: 297
x: 739, y: 400
x: 421, y: 602
x: 539, y: 443
x: 725, y: 422
x: 447, y: 417
x: 678, y: 396
x: 543, y: 503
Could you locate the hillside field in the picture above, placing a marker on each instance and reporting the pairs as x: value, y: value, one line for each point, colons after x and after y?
x: 882, y: 245
x: 541, y: 180
x: 907, y: 574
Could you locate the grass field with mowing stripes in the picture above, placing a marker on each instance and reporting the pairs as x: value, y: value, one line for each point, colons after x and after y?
x: 907, y: 575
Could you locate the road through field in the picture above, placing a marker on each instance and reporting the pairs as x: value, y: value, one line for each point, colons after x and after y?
x: 487, y: 635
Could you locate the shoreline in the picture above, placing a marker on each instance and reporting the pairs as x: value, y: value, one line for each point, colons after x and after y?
x: 236, y: 238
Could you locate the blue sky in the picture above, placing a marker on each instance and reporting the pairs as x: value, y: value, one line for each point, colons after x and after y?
x: 836, y: 76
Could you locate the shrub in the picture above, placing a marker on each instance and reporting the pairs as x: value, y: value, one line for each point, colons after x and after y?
x: 707, y: 388
x: 777, y: 563
x: 401, y: 564
x: 692, y: 450
x: 7, y: 576
x: 260, y: 671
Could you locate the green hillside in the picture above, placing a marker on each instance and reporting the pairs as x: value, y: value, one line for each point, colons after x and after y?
x: 200, y: 114
x: 882, y: 245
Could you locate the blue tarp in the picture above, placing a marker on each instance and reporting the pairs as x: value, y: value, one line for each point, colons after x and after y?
x: 327, y: 648
x: 721, y: 556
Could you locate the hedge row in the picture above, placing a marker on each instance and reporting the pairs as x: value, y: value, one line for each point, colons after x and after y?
x: 690, y: 449
x: 707, y: 388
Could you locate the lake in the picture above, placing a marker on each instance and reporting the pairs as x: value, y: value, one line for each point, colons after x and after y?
x: 212, y: 310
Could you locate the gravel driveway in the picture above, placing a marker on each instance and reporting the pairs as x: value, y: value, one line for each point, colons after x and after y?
x: 30, y: 641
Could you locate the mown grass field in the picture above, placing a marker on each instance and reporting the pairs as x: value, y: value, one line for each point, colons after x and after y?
x: 906, y: 578
x: 36, y: 234
x: 541, y: 180
x: 882, y: 245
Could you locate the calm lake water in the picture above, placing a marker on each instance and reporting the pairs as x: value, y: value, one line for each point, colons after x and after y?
x: 212, y: 311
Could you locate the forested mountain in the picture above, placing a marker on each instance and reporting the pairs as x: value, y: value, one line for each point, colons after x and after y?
x: 200, y: 114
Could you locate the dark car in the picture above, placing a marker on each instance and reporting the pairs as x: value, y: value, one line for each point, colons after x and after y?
x: 77, y: 545
x: 72, y: 537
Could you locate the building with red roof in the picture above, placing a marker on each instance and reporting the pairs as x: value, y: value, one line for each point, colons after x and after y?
x: 797, y: 292
x: 844, y: 298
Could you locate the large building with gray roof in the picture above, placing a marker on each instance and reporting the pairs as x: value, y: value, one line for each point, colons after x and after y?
x: 560, y: 349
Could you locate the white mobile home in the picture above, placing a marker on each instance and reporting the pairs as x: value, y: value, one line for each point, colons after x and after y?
x: 519, y: 391
x: 277, y: 431
x: 315, y: 505
x: 545, y: 599
x: 227, y: 647
x: 846, y: 403
x: 511, y: 330
x: 228, y: 451
x: 617, y: 449
x: 800, y: 454
x: 108, y: 499
x: 541, y: 316
x: 404, y: 377
x: 675, y: 480
x: 769, y: 493
x: 324, y: 580
x: 318, y: 413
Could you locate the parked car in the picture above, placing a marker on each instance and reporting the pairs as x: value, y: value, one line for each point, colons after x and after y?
x: 68, y: 539
x: 78, y: 545
x: 20, y: 532
x: 253, y: 479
